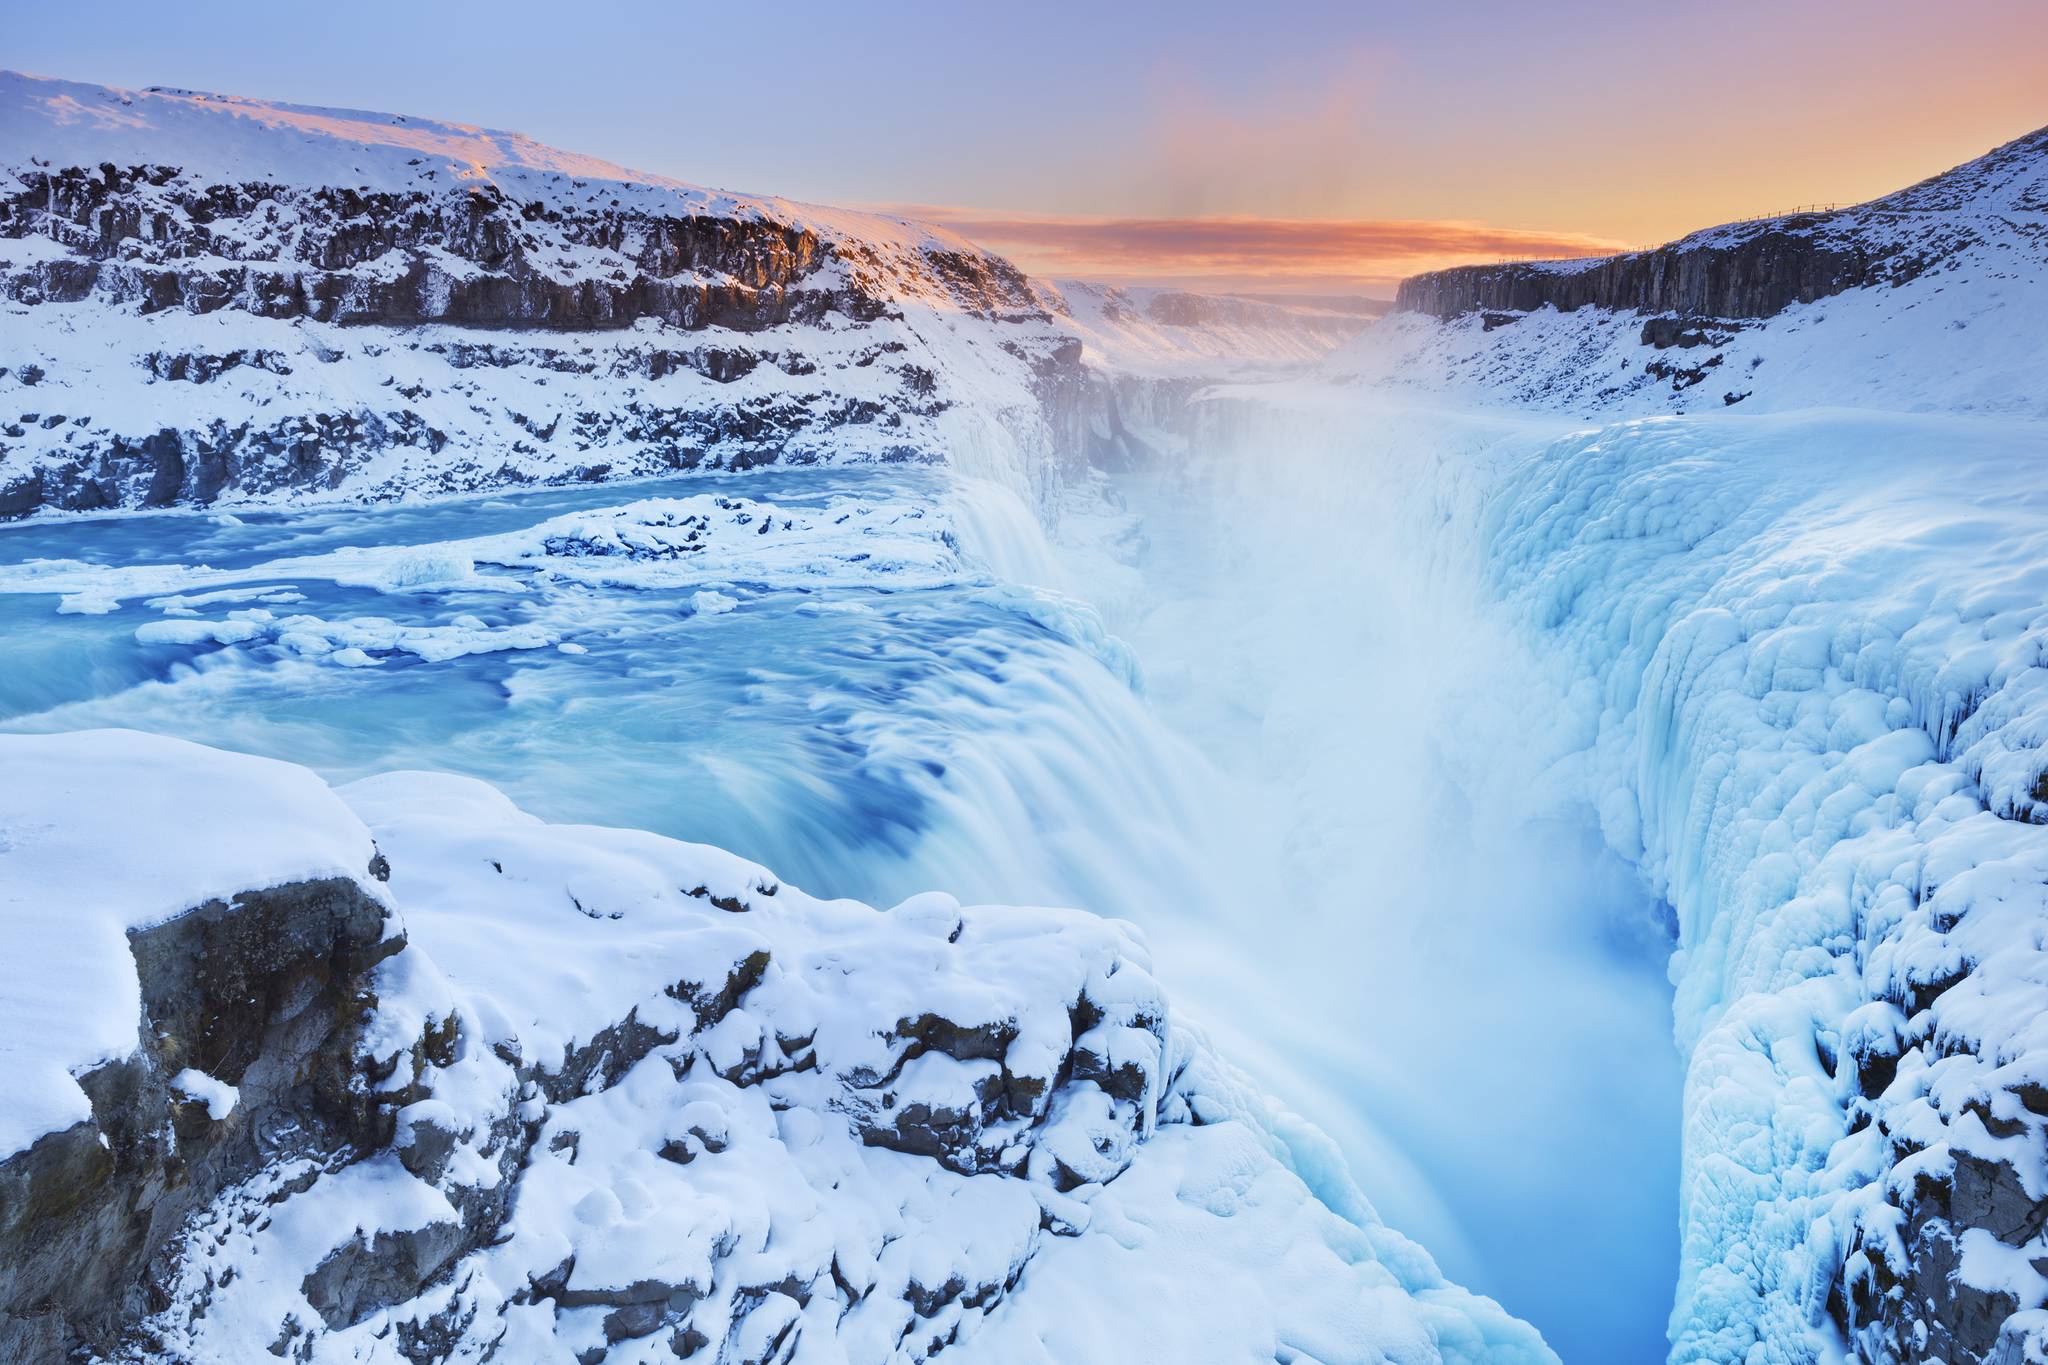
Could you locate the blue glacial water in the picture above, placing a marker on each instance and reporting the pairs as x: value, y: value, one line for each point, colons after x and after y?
x: 1456, y: 1011
x: 941, y: 736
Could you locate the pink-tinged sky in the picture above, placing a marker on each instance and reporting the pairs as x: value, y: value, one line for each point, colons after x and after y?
x: 1293, y: 143
x: 1320, y: 255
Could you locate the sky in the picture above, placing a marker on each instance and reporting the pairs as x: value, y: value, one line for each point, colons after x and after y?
x: 1305, y: 145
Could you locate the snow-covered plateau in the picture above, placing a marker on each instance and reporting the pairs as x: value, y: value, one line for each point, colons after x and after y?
x: 510, y: 578
x: 209, y: 298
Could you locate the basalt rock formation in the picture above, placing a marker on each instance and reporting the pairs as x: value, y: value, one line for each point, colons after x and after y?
x: 212, y: 298
x: 1757, y: 269
x: 264, y: 994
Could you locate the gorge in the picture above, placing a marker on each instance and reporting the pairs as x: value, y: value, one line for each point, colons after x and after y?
x: 1574, y: 743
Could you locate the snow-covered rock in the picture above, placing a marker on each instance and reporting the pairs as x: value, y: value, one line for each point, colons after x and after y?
x: 1995, y: 207
x: 206, y: 298
x: 1930, y: 299
x: 212, y: 298
x: 186, y: 945
x: 607, y: 1096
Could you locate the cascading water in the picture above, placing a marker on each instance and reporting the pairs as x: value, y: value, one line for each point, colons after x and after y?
x: 1438, y: 959
x: 1343, y: 851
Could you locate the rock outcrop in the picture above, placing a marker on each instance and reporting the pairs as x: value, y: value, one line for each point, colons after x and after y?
x: 264, y: 996
x: 663, y: 1105
x: 212, y: 298
x: 1758, y: 269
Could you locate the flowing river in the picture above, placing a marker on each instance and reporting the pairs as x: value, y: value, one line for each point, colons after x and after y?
x: 1470, y: 1002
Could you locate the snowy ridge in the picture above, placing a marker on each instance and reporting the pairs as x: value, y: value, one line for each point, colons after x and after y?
x: 1930, y: 299
x: 1997, y: 203
x: 231, y: 139
x: 215, y: 299
x: 2001, y: 197
x: 714, y: 1114
x: 1969, y: 341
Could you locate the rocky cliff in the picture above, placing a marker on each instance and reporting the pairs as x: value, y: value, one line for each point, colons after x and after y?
x: 1757, y: 269
x: 1929, y: 299
x: 209, y: 297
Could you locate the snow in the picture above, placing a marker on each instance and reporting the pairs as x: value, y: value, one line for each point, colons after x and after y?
x: 1180, y: 1228
x: 1951, y: 323
x: 732, y: 1142
x: 218, y: 1096
x: 103, y: 833
x: 1790, y: 663
x: 453, y: 412
x: 233, y: 139
x: 1977, y: 345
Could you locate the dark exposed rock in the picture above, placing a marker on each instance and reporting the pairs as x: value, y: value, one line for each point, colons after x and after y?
x: 425, y: 1146
x: 1759, y: 268
x: 265, y: 995
x: 149, y: 236
x: 1685, y: 333
x: 639, y: 1309
x: 471, y: 257
x: 389, y: 1267
x: 1758, y: 274
x: 599, y: 1062
x: 1924, y: 1307
x: 200, y: 368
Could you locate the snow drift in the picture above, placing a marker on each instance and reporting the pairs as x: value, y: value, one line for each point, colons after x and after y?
x: 595, y: 1094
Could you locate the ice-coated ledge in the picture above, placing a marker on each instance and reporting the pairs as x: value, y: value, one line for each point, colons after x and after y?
x: 1809, y: 649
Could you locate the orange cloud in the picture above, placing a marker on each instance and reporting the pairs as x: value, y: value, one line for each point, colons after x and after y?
x: 1236, y: 251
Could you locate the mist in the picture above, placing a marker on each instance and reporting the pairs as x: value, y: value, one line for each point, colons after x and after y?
x: 1424, y: 946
